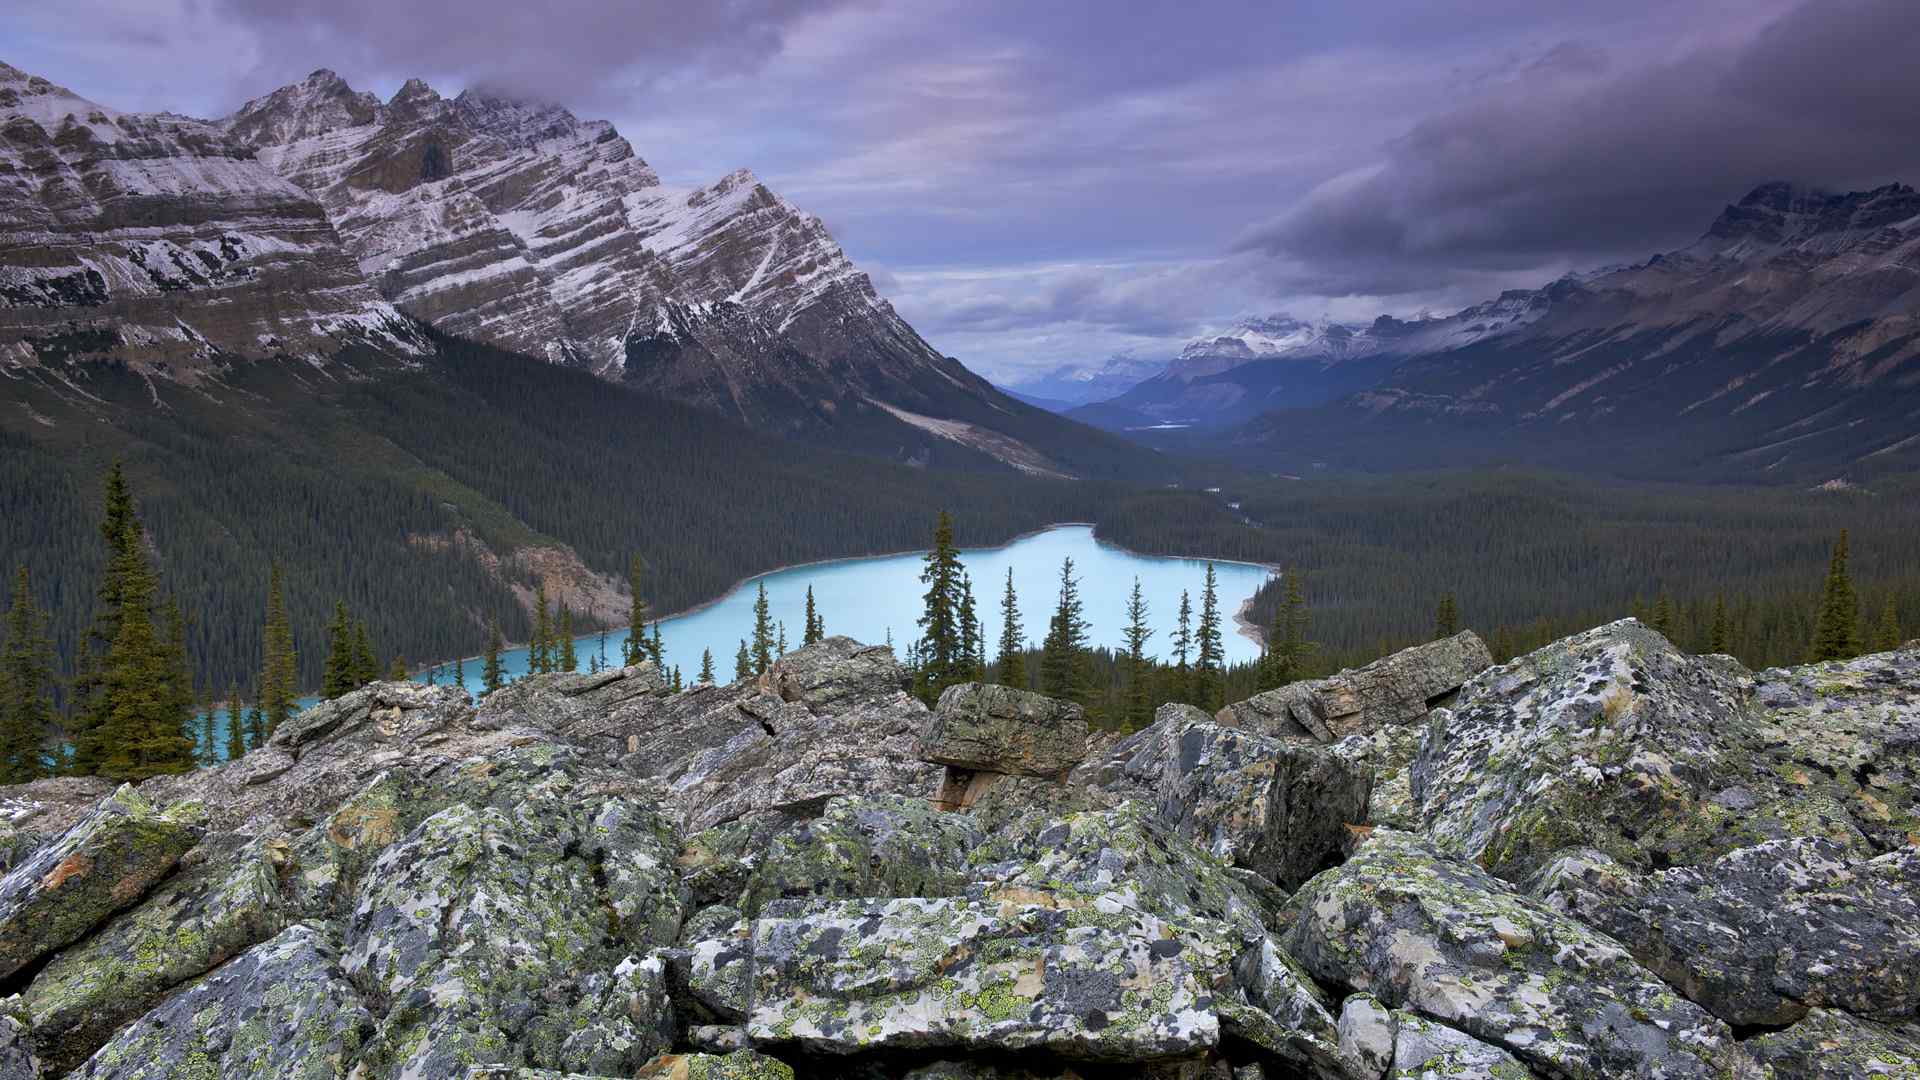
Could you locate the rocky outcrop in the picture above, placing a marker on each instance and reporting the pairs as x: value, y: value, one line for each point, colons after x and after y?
x: 986, y: 728
x: 591, y: 876
x: 1389, y: 692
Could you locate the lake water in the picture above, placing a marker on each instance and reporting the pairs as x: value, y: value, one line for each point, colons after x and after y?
x: 869, y: 598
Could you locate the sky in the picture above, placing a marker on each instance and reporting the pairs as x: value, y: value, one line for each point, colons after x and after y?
x: 1038, y: 185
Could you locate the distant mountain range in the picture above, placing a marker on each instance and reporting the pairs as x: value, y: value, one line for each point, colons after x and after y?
x: 1784, y: 343
x: 1071, y: 385
x: 318, y: 219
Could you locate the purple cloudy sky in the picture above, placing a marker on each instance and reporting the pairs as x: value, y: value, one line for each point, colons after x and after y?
x: 1042, y: 183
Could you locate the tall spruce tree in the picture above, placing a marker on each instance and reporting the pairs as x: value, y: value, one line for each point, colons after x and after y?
x: 657, y: 649
x: 492, y: 676
x: 145, y: 732
x: 706, y: 665
x: 337, y: 677
x: 365, y: 667
x: 1012, y: 657
x: 256, y: 727
x: 1287, y: 644
x: 566, y: 660
x: 944, y: 660
x: 1446, y: 618
x: 209, y: 742
x: 742, y: 663
x: 1720, y: 628
x: 279, y: 679
x: 970, y: 646
x: 634, y: 649
x: 816, y: 628
x: 90, y: 706
x: 26, y: 688
x: 763, y: 644
x: 1663, y: 618
x: 460, y: 672
x: 540, y: 650
x: 1209, y: 668
x: 1836, y: 634
x: 1063, y: 655
x: 236, y: 724
x: 1180, y: 677
x: 1886, y: 637
x: 1139, y: 710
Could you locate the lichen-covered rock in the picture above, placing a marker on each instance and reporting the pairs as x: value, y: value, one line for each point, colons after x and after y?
x: 1393, y: 690
x: 740, y: 1065
x: 1425, y: 1050
x: 835, y: 674
x: 1387, y: 755
x: 280, y: 1009
x: 1830, y: 1045
x: 105, y: 862
x: 504, y: 931
x: 1274, y: 1005
x: 855, y: 976
x: 1613, y: 739
x: 568, y: 703
x: 17, y: 1060
x: 225, y: 899
x: 1004, y: 730
x: 878, y: 846
x: 1763, y: 933
x: 1279, y: 809
x: 39, y: 810
x: 1446, y: 940
x: 1366, y: 1030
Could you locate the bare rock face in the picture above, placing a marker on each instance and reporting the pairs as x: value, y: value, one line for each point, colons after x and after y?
x: 162, y: 239
x: 1392, y: 691
x: 980, y: 726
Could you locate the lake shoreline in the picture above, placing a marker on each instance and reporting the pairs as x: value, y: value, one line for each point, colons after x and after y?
x: 1242, y: 624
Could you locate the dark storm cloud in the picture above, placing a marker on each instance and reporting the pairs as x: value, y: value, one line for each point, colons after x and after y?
x: 580, y: 52
x: 1591, y: 153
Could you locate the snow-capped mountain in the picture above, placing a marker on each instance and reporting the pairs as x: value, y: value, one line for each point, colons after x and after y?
x: 161, y: 238
x: 1786, y: 338
x: 1079, y: 384
x: 319, y: 210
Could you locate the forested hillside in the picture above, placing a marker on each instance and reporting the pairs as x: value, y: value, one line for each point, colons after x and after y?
x: 357, y: 478
x: 1533, y: 556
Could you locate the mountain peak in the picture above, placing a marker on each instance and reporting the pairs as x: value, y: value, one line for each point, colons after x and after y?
x: 1779, y: 214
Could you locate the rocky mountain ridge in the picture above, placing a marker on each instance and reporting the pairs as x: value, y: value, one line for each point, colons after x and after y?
x: 1427, y: 867
x: 318, y: 214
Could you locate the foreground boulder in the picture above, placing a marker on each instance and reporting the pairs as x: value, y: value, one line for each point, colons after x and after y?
x: 1830, y: 1045
x: 281, y: 1009
x: 989, y: 728
x: 1280, y: 809
x: 1763, y: 934
x: 105, y: 862
x: 1445, y: 940
x: 1393, y: 691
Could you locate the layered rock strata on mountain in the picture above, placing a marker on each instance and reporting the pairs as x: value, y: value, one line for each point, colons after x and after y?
x: 596, y: 876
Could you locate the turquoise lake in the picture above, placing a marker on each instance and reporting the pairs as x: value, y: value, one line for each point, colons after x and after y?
x: 868, y: 598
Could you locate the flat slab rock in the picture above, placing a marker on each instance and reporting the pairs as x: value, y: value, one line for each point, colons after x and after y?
x: 105, y: 862
x: 856, y: 976
x: 1393, y: 690
x: 1004, y: 730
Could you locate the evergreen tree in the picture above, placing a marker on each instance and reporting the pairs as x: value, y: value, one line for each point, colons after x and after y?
x: 1662, y: 619
x: 742, y: 663
x: 209, y: 748
x: 1836, y: 633
x: 657, y: 649
x: 1446, y: 620
x: 1063, y: 657
x: 366, y: 668
x: 970, y: 646
x: 1887, y: 637
x: 90, y: 708
x: 634, y: 649
x: 460, y: 672
x: 182, y: 697
x: 256, y: 727
x: 337, y: 677
x: 236, y: 724
x: 944, y: 660
x: 1287, y: 644
x: 491, y: 675
x: 1209, y: 666
x: 706, y: 665
x: 780, y: 638
x: 26, y: 685
x: 1720, y: 630
x: 1139, y: 711
x: 145, y: 732
x: 816, y: 628
x: 762, y: 632
x: 540, y: 650
x: 566, y: 661
x: 397, y: 671
x: 1012, y: 657
x: 278, y: 679
x: 1180, y: 679
x: 677, y: 684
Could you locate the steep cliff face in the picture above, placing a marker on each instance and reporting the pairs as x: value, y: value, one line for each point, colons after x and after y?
x: 160, y: 239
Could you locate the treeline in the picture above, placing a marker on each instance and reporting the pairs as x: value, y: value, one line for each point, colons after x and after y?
x: 356, y: 479
x: 1532, y: 557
